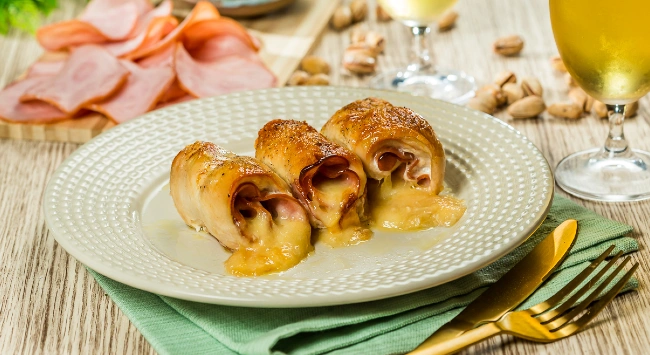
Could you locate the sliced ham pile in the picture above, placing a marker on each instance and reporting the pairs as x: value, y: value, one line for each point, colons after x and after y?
x: 125, y: 57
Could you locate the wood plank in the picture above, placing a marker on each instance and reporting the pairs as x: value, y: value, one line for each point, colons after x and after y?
x: 287, y: 35
x: 50, y: 305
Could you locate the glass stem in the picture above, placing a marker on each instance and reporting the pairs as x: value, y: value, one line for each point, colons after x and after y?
x: 616, y: 143
x: 422, y: 59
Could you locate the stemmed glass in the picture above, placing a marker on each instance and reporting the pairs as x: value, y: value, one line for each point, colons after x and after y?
x: 604, y: 45
x: 421, y: 77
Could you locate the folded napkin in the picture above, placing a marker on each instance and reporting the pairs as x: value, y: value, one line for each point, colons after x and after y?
x: 389, y: 326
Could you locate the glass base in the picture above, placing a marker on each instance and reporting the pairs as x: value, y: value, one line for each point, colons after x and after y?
x: 448, y: 85
x: 595, y: 175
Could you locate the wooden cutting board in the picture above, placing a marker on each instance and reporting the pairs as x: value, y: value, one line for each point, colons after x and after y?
x: 287, y: 36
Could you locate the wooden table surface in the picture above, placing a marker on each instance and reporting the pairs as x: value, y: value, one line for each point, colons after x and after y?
x: 50, y: 304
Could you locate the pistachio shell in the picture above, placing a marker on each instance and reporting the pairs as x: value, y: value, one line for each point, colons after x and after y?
x: 528, y: 107
x: 600, y: 109
x: 315, y: 65
x: 484, y: 102
x: 360, y: 59
x: 505, y: 77
x: 532, y: 86
x: 580, y: 98
x: 298, y: 77
x: 318, y: 79
x: 447, y: 20
x: 631, y: 109
x: 508, y: 46
x: 359, y: 10
x: 558, y: 64
x: 382, y: 15
x: 565, y: 110
x: 495, y: 91
x: 341, y: 18
x: 513, y: 92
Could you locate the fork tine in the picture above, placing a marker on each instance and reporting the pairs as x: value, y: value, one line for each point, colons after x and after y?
x: 572, y: 327
x: 559, y: 322
x: 555, y: 313
x: 572, y: 285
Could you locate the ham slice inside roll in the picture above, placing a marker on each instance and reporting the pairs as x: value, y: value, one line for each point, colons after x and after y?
x: 244, y: 205
x: 328, y: 180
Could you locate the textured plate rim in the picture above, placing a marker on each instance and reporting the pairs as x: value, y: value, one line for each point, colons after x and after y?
x: 289, y: 302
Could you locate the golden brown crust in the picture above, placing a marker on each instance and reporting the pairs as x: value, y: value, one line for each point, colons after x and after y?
x: 373, y: 119
x: 291, y: 147
x: 204, y: 183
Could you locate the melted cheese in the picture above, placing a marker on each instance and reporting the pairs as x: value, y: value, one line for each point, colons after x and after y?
x: 349, y: 232
x: 339, y: 231
x: 402, y: 206
x: 281, y: 244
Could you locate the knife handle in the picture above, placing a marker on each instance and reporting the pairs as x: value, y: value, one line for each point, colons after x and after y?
x: 460, y: 342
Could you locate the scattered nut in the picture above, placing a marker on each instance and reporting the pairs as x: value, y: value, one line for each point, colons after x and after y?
x: 484, y: 102
x: 358, y: 35
x: 600, y: 109
x: 495, y: 91
x: 359, y: 10
x: 528, y: 107
x: 508, y: 46
x: 318, y: 79
x: 565, y: 110
x: 314, y: 65
x: 569, y: 80
x: 298, y: 77
x: 558, y: 64
x: 532, y: 86
x: 631, y: 109
x: 342, y: 17
x: 382, y: 15
x: 513, y: 92
x: 505, y: 77
x: 447, y: 20
x: 360, y: 59
x: 580, y: 98
x: 375, y: 41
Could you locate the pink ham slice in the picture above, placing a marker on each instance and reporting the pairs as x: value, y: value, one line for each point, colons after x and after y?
x: 139, y: 95
x: 223, y: 46
x: 101, y: 21
x: 228, y: 74
x: 115, y: 19
x: 68, y: 33
x: 199, y: 32
x: 89, y: 75
x: 202, y: 11
x: 163, y: 57
x: 153, y: 26
x: 11, y: 109
x: 45, y: 68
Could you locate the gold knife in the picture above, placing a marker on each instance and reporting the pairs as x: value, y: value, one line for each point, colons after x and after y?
x: 513, y: 288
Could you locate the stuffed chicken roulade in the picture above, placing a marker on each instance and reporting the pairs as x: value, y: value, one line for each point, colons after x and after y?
x: 242, y: 203
x: 328, y: 179
x: 404, y: 161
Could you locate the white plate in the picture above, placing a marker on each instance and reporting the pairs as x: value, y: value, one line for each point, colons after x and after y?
x: 108, y: 204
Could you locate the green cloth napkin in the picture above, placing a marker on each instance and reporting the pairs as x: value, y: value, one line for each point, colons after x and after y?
x: 389, y: 326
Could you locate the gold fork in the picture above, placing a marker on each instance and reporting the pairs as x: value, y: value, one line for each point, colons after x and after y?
x: 552, y: 319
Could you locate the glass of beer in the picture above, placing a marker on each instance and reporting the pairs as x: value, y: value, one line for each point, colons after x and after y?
x: 604, y: 45
x: 421, y: 77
